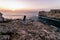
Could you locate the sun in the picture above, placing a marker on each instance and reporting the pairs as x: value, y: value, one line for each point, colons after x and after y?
x: 13, y: 5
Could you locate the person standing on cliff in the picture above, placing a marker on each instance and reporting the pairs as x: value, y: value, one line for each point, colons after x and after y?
x: 24, y: 19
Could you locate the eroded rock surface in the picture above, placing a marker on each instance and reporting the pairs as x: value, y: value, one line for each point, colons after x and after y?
x: 16, y: 30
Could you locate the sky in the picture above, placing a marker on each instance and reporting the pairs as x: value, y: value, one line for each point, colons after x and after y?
x: 29, y: 4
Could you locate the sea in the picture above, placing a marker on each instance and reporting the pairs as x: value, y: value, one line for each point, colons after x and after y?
x: 29, y: 15
x: 20, y: 15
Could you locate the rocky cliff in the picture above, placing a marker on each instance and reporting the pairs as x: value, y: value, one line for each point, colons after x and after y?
x: 33, y: 30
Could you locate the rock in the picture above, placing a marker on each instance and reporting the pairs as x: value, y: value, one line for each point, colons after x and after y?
x: 32, y: 31
x: 4, y: 37
x: 4, y: 29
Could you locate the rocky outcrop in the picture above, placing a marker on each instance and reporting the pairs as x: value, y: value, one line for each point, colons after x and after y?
x: 53, y: 13
x: 16, y: 30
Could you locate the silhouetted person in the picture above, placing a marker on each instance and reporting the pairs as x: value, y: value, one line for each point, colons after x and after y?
x: 24, y: 19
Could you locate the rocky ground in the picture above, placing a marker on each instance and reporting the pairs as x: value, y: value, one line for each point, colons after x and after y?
x: 33, y: 30
x: 55, y: 16
x: 50, y: 14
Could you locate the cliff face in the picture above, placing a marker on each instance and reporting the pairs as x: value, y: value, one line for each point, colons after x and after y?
x: 16, y: 30
x: 54, y: 13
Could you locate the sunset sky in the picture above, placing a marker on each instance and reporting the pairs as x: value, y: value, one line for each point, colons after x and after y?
x: 29, y: 4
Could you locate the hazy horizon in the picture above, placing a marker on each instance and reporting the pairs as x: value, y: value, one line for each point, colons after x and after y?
x: 29, y: 4
x: 26, y: 7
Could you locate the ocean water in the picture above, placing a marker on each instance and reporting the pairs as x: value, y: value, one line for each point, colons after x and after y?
x: 20, y: 15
